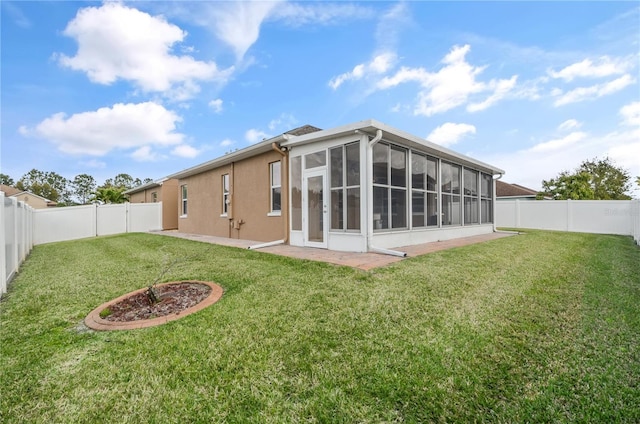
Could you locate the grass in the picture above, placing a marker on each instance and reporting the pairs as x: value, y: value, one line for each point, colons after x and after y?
x: 542, y: 327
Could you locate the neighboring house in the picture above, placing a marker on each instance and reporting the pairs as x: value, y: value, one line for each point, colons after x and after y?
x: 506, y: 191
x: 163, y: 190
x: 360, y: 187
x: 33, y: 200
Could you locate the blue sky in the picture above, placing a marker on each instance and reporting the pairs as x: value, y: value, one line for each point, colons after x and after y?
x: 151, y: 88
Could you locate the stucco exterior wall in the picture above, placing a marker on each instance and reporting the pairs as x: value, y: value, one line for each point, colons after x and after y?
x: 169, y: 197
x: 250, y: 201
x: 34, y: 201
x: 167, y: 193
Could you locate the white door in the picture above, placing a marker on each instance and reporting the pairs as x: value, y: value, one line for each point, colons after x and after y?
x: 315, y: 209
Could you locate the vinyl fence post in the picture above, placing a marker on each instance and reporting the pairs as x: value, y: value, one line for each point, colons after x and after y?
x: 517, y: 209
x: 3, y: 256
x: 127, y: 211
x: 569, y: 217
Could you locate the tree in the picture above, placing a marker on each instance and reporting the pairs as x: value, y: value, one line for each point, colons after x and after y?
x: 84, y: 186
x: 6, y: 180
x: 125, y: 181
x: 49, y: 185
x: 597, y: 179
x: 109, y: 195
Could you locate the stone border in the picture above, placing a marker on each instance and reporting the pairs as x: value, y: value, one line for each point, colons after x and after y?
x: 94, y: 321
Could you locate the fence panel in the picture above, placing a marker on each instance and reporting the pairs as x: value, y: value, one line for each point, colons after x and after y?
x: 16, y: 230
x: 111, y: 219
x: 588, y: 216
x: 635, y: 221
x: 60, y: 224
x: 144, y: 217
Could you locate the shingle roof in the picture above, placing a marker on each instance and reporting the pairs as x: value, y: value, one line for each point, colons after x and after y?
x: 305, y: 129
x: 8, y: 190
x: 511, y: 190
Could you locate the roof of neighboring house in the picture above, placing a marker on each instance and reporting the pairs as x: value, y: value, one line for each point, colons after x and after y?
x: 152, y: 184
x: 513, y: 190
x: 8, y: 190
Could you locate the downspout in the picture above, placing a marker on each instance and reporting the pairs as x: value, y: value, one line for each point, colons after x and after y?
x: 493, y: 200
x: 231, y: 202
x: 370, y: 247
x: 284, y: 188
x: 369, y: 184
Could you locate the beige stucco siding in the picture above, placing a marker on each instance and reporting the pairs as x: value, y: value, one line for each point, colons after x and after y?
x: 167, y: 193
x: 169, y: 198
x: 250, y: 201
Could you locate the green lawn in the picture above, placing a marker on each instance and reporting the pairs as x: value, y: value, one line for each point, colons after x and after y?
x: 541, y: 327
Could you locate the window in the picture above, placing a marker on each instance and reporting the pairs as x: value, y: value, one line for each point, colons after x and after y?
x: 154, y: 197
x: 450, y: 187
x: 471, y: 198
x: 276, y: 196
x: 296, y: 193
x: 184, y: 199
x: 424, y: 194
x: 314, y: 160
x: 389, y: 187
x: 345, y: 187
x: 486, y: 199
x: 225, y: 194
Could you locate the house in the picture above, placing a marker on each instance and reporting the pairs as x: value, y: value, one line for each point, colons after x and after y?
x: 506, y: 191
x: 359, y: 187
x: 164, y: 190
x: 33, y: 200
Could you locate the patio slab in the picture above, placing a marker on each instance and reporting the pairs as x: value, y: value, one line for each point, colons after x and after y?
x: 364, y: 261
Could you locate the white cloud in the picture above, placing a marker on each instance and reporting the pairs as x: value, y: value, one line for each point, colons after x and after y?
x: 569, y: 124
x: 530, y: 167
x: 119, y: 42
x: 216, y: 105
x: 185, y: 151
x: 390, y: 24
x: 604, y: 67
x: 238, y: 23
x: 378, y: 65
x: 631, y: 114
x: 19, y: 18
x: 318, y: 13
x: 284, y: 122
x: 123, y: 126
x: 227, y: 142
x: 500, y: 89
x: 450, y: 133
x: 451, y: 86
x: 144, y: 154
x: 559, y: 143
x: 94, y: 163
x: 254, y: 136
x: 593, y: 92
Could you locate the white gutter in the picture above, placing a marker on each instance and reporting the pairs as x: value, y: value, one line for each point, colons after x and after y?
x: 267, y: 244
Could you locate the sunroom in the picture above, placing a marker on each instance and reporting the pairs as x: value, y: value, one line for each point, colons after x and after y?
x: 370, y: 187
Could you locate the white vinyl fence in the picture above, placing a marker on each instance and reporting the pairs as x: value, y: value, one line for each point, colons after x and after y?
x: 75, y: 222
x: 16, y: 237
x: 587, y: 216
x: 22, y: 227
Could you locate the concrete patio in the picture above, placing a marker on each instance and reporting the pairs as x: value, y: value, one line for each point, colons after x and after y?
x: 364, y: 261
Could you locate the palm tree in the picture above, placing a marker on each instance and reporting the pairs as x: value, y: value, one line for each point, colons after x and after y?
x: 109, y: 195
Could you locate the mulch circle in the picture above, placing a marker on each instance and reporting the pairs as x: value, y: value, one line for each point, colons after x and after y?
x: 133, y: 310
